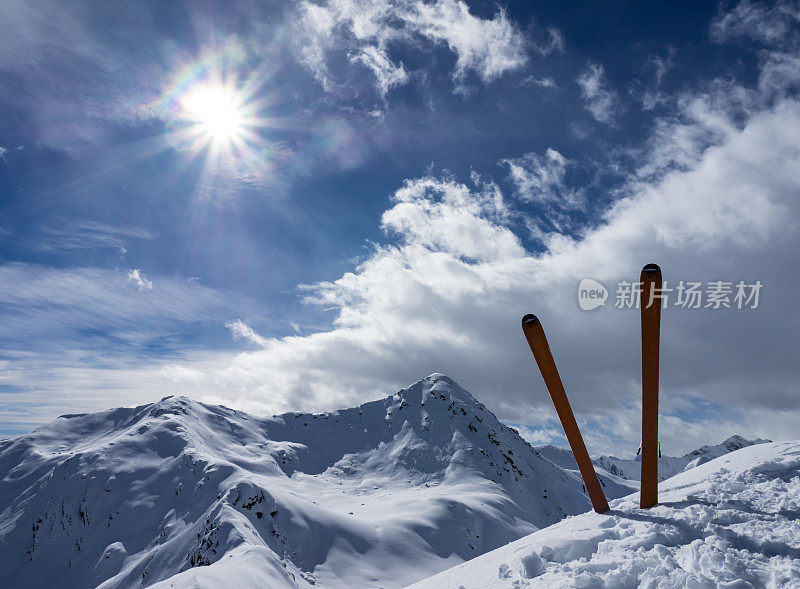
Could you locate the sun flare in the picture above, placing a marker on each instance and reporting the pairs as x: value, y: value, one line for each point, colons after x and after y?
x: 217, y: 112
x: 218, y: 117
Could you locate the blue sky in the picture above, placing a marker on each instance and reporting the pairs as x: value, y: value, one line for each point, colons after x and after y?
x: 403, y: 180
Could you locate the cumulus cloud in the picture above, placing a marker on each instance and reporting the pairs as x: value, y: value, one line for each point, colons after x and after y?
x: 447, y: 287
x: 601, y: 100
x: 447, y: 291
x: 488, y: 47
x: 714, y: 197
x: 367, y: 30
x: 3, y: 152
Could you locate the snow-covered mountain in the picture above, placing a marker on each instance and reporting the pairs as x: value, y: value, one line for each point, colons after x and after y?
x: 668, y: 466
x: 731, y: 522
x: 182, y: 494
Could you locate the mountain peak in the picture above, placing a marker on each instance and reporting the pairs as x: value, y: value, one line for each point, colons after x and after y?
x: 440, y: 385
x: 159, y: 489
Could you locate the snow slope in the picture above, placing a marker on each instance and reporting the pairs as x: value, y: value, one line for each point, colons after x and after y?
x: 668, y: 466
x: 731, y: 522
x: 182, y: 494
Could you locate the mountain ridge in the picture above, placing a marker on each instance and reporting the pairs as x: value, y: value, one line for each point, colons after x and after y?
x: 172, y: 491
x: 668, y: 466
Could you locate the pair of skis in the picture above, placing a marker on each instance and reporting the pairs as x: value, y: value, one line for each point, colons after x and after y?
x: 650, y: 303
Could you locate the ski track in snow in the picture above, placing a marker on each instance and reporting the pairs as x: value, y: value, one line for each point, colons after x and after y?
x: 731, y: 522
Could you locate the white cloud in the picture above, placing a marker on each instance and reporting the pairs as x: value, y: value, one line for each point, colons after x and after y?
x: 488, y: 47
x: 446, y: 292
x: 3, y: 152
x: 541, y: 178
x: 540, y: 82
x: 135, y: 275
x: 776, y: 28
x: 183, y: 374
x: 69, y: 235
x: 601, y: 100
x: 50, y: 305
x: 81, y: 339
x: 715, y: 198
x: 241, y: 330
x: 449, y: 294
x: 757, y: 21
x: 366, y: 30
x: 387, y: 74
x: 555, y: 42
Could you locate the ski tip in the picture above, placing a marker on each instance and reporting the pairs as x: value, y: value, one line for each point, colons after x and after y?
x: 529, y: 319
x: 651, y: 268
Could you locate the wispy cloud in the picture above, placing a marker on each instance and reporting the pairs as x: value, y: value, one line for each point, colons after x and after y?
x: 387, y: 74
x: 601, y: 100
x: 367, y: 31
x: 70, y: 235
x: 766, y: 23
x: 241, y: 330
x: 80, y: 339
x: 490, y: 47
x: 45, y: 308
x: 540, y: 178
x: 554, y: 43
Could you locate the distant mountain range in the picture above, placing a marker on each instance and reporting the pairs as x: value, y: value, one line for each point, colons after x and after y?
x: 182, y: 494
x: 668, y: 466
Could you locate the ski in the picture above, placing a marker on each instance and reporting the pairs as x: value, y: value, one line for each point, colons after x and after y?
x: 650, y: 305
x: 537, y: 341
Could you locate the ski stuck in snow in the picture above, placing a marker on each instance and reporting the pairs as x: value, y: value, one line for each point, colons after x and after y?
x: 547, y: 366
x: 650, y: 303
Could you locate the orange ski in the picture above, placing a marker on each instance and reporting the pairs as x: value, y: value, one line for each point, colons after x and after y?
x: 650, y: 304
x: 534, y: 333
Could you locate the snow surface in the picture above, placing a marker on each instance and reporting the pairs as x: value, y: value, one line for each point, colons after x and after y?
x: 668, y: 466
x: 731, y: 522
x: 182, y: 494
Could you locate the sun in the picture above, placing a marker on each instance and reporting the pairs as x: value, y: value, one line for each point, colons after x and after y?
x: 217, y: 113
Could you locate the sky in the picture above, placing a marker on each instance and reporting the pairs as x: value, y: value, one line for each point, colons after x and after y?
x: 307, y: 205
